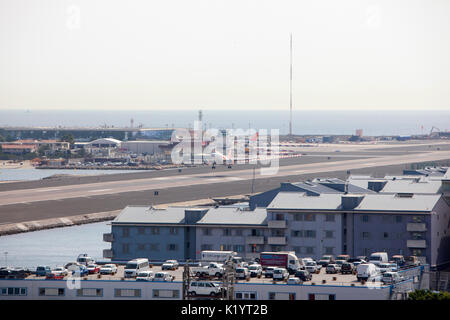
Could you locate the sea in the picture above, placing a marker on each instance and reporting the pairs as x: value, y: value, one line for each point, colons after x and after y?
x: 372, y: 122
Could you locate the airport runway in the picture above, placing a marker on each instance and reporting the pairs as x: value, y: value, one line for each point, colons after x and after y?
x: 36, y: 200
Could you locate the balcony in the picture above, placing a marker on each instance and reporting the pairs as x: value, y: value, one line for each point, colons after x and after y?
x: 420, y: 244
x: 277, y: 224
x: 108, y: 237
x: 254, y: 240
x: 416, y: 227
x: 107, y: 253
x: 277, y: 240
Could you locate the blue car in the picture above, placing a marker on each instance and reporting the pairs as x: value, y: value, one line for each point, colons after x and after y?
x: 81, y: 271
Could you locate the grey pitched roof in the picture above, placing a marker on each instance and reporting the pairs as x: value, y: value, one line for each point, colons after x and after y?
x: 234, y: 216
x: 412, y: 186
x: 300, y: 201
x: 176, y: 215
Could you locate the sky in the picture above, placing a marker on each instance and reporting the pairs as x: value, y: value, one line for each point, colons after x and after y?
x: 224, y: 54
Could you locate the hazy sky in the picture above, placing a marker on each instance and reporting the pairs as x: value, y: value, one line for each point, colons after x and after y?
x: 224, y: 54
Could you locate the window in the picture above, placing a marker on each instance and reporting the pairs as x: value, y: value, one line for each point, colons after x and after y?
x: 206, y: 247
x: 238, y: 233
x: 13, y: 291
x: 365, y: 218
x: 309, y: 250
x: 127, y: 293
x: 417, y: 252
x: 238, y: 248
x: 321, y: 296
x: 387, y: 219
x: 141, y: 230
x: 245, y: 295
x: 172, y: 247
x: 398, y: 219
x: 225, y: 247
x: 125, y: 232
x: 310, y: 217
x: 206, y: 232
x: 226, y: 232
x: 366, y: 235
x: 159, y: 293
x: 51, y: 291
x: 90, y: 292
x: 329, y: 250
x: 256, y: 233
x: 417, y: 219
x: 173, y: 230
x: 141, y: 246
x: 329, y: 217
x: 297, y: 249
x: 385, y: 235
x: 279, y: 216
x: 329, y: 234
x: 310, y: 233
x: 155, y: 230
x: 298, y: 217
x: 125, y: 248
x: 418, y: 235
x: 296, y: 233
x: 154, y: 246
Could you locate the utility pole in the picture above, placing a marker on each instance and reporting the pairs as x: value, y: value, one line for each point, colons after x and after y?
x: 186, y: 280
x: 253, y: 179
x: 290, y: 89
x: 228, y: 280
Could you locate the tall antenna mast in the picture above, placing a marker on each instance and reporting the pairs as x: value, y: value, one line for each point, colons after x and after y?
x: 290, y: 89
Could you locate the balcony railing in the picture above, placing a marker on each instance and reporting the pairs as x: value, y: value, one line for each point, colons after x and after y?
x: 277, y: 224
x: 108, y: 237
x: 416, y: 227
x: 277, y: 240
x: 421, y: 244
x: 107, y: 253
x: 254, y: 240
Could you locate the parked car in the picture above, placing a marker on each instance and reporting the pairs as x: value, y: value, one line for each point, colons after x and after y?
x: 333, y: 268
x: 204, y: 288
x: 108, y: 269
x: 347, y: 268
x: 412, y: 261
x: 60, y: 270
x: 80, y: 270
x: 93, y: 268
x: 255, y: 270
x: 54, y: 276
x: 399, y: 260
x: 5, y: 272
x: 294, y: 280
x: 19, y: 273
x: 312, y: 267
x: 325, y: 260
x: 268, y: 273
x: 170, y: 265
x: 162, y: 276
x: 41, y: 271
x: 85, y: 259
x: 145, y: 275
x: 242, y: 273
x: 365, y: 271
x: 344, y: 257
x: 280, y: 274
x: 378, y: 257
x: 339, y: 262
x: 303, y: 275
x: 391, y: 277
x: 385, y: 267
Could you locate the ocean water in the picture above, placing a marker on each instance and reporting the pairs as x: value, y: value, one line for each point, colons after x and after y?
x: 53, y: 247
x: 373, y: 122
x: 27, y: 174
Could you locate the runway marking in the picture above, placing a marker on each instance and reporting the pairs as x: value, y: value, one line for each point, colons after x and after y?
x: 99, y: 190
x: 45, y: 190
x: 234, y: 178
x: 163, y: 178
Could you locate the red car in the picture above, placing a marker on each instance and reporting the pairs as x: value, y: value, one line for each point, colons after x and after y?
x: 54, y: 276
x: 93, y: 268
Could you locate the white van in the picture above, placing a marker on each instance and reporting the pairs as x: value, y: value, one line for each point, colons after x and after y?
x: 204, y: 288
x: 134, y: 266
x: 378, y: 257
x: 217, y: 256
x: 365, y: 271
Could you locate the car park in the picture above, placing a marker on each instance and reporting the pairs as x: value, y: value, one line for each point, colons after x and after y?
x: 280, y: 274
x: 108, y: 269
x: 170, y: 265
x: 333, y: 268
x: 255, y: 270
x: 204, y: 288
x: 146, y: 275
x: 93, y: 268
x: 303, y: 275
x: 162, y: 276
x: 294, y: 280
